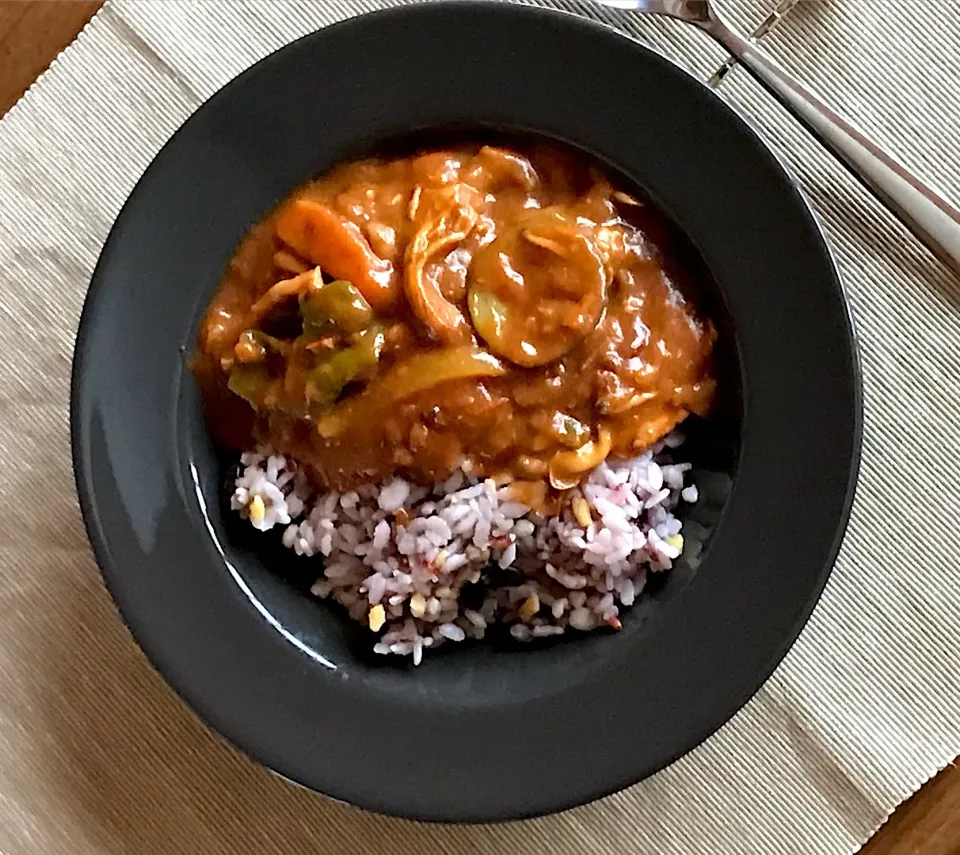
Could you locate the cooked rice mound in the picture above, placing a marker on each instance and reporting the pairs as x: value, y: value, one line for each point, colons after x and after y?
x: 423, y: 566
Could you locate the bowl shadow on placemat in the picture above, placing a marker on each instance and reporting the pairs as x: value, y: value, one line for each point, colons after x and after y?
x: 130, y: 769
x: 140, y: 772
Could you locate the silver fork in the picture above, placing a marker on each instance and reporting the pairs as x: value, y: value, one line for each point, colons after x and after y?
x: 933, y: 219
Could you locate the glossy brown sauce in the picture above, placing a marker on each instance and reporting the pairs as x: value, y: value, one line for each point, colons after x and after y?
x: 510, y: 308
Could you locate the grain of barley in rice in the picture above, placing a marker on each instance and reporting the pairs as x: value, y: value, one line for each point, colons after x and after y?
x: 462, y: 374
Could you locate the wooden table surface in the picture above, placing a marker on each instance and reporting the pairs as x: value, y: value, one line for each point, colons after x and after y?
x: 33, y: 32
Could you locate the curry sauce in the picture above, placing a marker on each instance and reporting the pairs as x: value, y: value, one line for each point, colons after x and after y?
x: 507, y: 309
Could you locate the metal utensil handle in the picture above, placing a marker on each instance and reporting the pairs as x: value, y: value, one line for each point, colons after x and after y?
x: 933, y: 219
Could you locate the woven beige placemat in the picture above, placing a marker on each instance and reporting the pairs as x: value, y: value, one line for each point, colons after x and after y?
x: 96, y: 754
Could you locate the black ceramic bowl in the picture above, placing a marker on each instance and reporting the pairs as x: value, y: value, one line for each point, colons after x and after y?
x: 482, y: 733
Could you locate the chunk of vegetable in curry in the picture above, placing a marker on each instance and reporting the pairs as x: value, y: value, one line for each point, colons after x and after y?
x: 510, y: 308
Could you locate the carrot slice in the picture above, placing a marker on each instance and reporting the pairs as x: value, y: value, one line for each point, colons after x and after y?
x: 337, y: 245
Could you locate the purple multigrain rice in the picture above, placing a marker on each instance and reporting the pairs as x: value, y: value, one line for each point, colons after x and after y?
x: 398, y: 556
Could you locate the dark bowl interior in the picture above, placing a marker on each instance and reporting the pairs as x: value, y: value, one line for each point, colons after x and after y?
x: 223, y: 615
x: 466, y: 674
